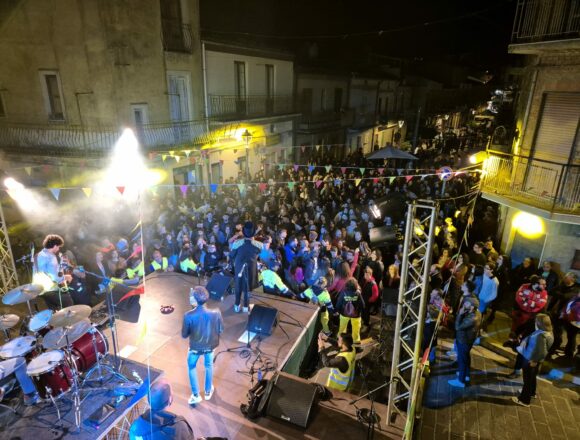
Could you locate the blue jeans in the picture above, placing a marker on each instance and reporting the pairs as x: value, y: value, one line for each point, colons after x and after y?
x: 463, y: 360
x: 192, y: 359
x: 18, y: 367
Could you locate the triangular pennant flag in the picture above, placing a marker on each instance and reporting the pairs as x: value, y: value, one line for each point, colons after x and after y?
x: 343, y: 169
x: 241, y: 187
x: 187, y: 152
x: 291, y: 186
x: 392, y: 179
x: 317, y: 147
x: 399, y: 171
x: 281, y: 166
x: 303, y: 148
x: 408, y: 178
x: 424, y: 176
x: 357, y: 182
x: 177, y: 159
x: 88, y: 191
x: 318, y: 183
x: 296, y: 168
x: 163, y: 157
x: 183, y: 189
x: 221, y: 161
x: 55, y: 192
x: 133, y: 292
x: 213, y: 188
x: 376, y: 180
x: 337, y: 182
x: 328, y: 168
x: 262, y: 187
x: 171, y: 152
x: 28, y: 170
x: 121, y: 189
x: 310, y: 168
x: 362, y: 171
x: 381, y: 170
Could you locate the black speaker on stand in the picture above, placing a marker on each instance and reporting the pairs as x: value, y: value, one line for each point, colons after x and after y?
x: 262, y: 320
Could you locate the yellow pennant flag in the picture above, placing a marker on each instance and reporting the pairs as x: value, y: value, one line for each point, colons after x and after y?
x: 177, y: 159
x: 88, y: 191
x: 28, y: 170
x: 142, y: 334
x: 357, y: 182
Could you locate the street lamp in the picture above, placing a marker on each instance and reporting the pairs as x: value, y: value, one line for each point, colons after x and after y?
x: 247, y: 137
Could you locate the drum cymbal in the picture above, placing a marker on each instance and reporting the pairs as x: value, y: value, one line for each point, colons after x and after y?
x: 8, y: 321
x: 70, y: 315
x: 22, y: 294
x: 57, y: 338
x: 18, y: 347
x: 39, y: 321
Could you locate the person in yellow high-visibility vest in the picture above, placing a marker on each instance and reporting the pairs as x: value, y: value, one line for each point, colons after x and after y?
x: 160, y: 263
x: 135, y: 273
x: 342, y: 364
x: 318, y: 294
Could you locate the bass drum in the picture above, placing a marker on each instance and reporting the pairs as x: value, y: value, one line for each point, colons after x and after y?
x: 83, y: 350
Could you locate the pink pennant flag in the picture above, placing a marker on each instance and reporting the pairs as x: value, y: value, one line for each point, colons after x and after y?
x: 318, y: 183
x: 183, y: 189
x: 381, y: 170
x: 121, y: 189
x: 376, y: 180
x: 343, y: 169
x: 296, y: 168
x: 408, y: 178
x: 262, y: 187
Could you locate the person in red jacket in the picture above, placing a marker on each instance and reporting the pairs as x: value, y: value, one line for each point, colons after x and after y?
x: 370, y: 293
x: 530, y: 300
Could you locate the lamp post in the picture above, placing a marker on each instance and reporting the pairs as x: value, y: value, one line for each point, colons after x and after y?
x: 247, y: 137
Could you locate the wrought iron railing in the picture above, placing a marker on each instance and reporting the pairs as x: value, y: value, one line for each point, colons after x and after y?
x: 544, y: 20
x: 230, y: 107
x: 94, y: 141
x: 547, y: 185
x: 177, y: 36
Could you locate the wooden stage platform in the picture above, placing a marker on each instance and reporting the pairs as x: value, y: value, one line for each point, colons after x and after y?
x: 163, y: 348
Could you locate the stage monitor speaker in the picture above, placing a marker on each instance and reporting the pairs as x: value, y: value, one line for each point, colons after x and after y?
x: 382, y: 234
x: 219, y: 285
x: 262, y: 319
x: 291, y: 400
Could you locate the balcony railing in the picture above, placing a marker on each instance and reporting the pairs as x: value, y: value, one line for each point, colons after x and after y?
x: 326, y: 120
x: 229, y: 108
x: 539, y: 183
x: 73, y: 140
x: 177, y: 36
x: 545, y: 20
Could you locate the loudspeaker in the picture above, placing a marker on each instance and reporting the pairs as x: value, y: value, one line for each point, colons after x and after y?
x: 219, y: 285
x: 382, y: 234
x: 291, y: 400
x: 262, y: 319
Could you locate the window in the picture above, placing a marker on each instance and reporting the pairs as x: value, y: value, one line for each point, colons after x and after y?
x: 323, y: 99
x: 52, y: 93
x: 240, y: 79
x: 269, y: 80
x: 337, y: 99
x: 2, y: 108
x: 306, y: 101
x: 140, y: 119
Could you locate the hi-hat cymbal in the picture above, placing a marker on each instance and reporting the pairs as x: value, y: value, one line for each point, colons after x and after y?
x: 70, y: 315
x: 22, y: 294
x: 57, y: 338
x: 8, y: 321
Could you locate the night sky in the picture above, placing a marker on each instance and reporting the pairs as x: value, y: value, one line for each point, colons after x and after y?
x: 473, y: 33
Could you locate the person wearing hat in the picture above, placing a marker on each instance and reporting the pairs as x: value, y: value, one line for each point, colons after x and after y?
x: 158, y: 424
x: 244, y: 256
x: 273, y: 283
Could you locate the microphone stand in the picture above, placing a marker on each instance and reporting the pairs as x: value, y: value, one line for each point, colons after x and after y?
x: 372, y: 416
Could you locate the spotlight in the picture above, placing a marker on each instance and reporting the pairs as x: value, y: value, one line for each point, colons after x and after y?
x: 13, y: 184
x: 375, y: 211
x: 127, y: 143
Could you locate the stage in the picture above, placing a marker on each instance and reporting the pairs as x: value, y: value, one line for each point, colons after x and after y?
x: 156, y: 340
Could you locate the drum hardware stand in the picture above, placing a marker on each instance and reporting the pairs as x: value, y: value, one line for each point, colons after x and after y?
x: 49, y: 392
x: 99, y: 367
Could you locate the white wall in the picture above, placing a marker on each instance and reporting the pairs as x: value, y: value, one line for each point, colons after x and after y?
x: 220, y: 74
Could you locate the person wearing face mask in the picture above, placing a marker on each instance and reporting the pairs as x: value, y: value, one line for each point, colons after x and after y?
x: 533, y: 350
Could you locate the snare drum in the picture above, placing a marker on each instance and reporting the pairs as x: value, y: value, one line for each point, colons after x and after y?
x: 21, y: 346
x: 51, y: 374
x: 83, y: 350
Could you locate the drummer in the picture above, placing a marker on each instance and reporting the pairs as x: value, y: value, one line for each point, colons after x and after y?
x: 17, y: 366
x: 47, y: 262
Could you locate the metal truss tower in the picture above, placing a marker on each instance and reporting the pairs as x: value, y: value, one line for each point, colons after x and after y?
x: 412, y: 304
x: 8, y: 275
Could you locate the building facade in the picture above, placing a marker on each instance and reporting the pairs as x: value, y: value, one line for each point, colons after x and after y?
x: 538, y: 183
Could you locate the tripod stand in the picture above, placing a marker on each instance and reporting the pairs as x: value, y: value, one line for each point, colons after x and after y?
x: 371, y: 415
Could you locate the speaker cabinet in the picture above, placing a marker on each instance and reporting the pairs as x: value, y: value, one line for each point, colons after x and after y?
x: 291, y: 400
x: 219, y: 285
x: 262, y: 319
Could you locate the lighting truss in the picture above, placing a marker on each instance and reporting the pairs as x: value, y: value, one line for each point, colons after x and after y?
x: 412, y: 304
x: 8, y: 275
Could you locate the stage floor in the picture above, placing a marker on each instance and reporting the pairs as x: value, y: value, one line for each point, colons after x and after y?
x: 163, y: 348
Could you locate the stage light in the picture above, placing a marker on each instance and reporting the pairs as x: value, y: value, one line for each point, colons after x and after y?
x: 13, y: 184
x: 477, y: 157
x: 528, y: 225
x: 127, y: 143
x: 375, y: 211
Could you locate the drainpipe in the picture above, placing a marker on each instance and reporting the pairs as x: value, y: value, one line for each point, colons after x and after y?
x: 205, y: 99
x: 528, y: 107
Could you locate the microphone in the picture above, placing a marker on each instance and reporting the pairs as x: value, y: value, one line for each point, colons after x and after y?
x: 137, y: 377
x: 242, y: 270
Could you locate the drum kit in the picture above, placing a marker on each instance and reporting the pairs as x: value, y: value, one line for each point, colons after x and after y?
x: 60, y: 349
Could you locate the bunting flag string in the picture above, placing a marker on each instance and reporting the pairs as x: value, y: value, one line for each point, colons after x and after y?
x: 121, y: 189
x: 183, y: 189
x: 55, y: 192
x: 88, y: 191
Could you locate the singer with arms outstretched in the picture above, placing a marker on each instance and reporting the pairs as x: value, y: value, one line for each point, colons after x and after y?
x: 244, y: 256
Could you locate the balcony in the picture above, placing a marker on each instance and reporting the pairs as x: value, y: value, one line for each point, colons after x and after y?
x: 555, y: 22
x: 231, y: 108
x: 177, y: 36
x: 325, y: 121
x: 73, y: 140
x: 549, y: 188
